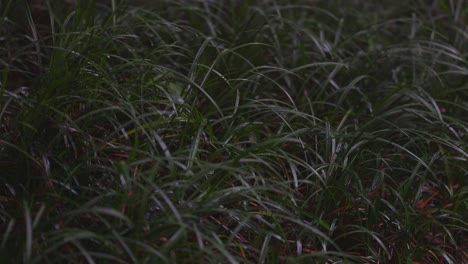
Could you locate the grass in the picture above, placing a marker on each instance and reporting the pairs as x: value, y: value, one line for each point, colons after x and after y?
x: 234, y: 132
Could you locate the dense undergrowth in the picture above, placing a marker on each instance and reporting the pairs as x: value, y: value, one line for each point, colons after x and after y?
x: 198, y: 131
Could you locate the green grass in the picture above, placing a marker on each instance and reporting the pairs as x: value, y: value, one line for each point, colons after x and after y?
x: 198, y: 131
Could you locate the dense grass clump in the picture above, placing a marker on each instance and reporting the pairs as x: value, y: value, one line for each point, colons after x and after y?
x: 199, y: 131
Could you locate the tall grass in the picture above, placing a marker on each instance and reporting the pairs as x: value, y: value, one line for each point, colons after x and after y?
x: 233, y: 132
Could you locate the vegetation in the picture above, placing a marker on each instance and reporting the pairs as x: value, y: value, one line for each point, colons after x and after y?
x: 199, y: 131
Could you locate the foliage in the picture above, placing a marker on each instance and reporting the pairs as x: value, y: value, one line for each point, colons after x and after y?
x: 234, y: 131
